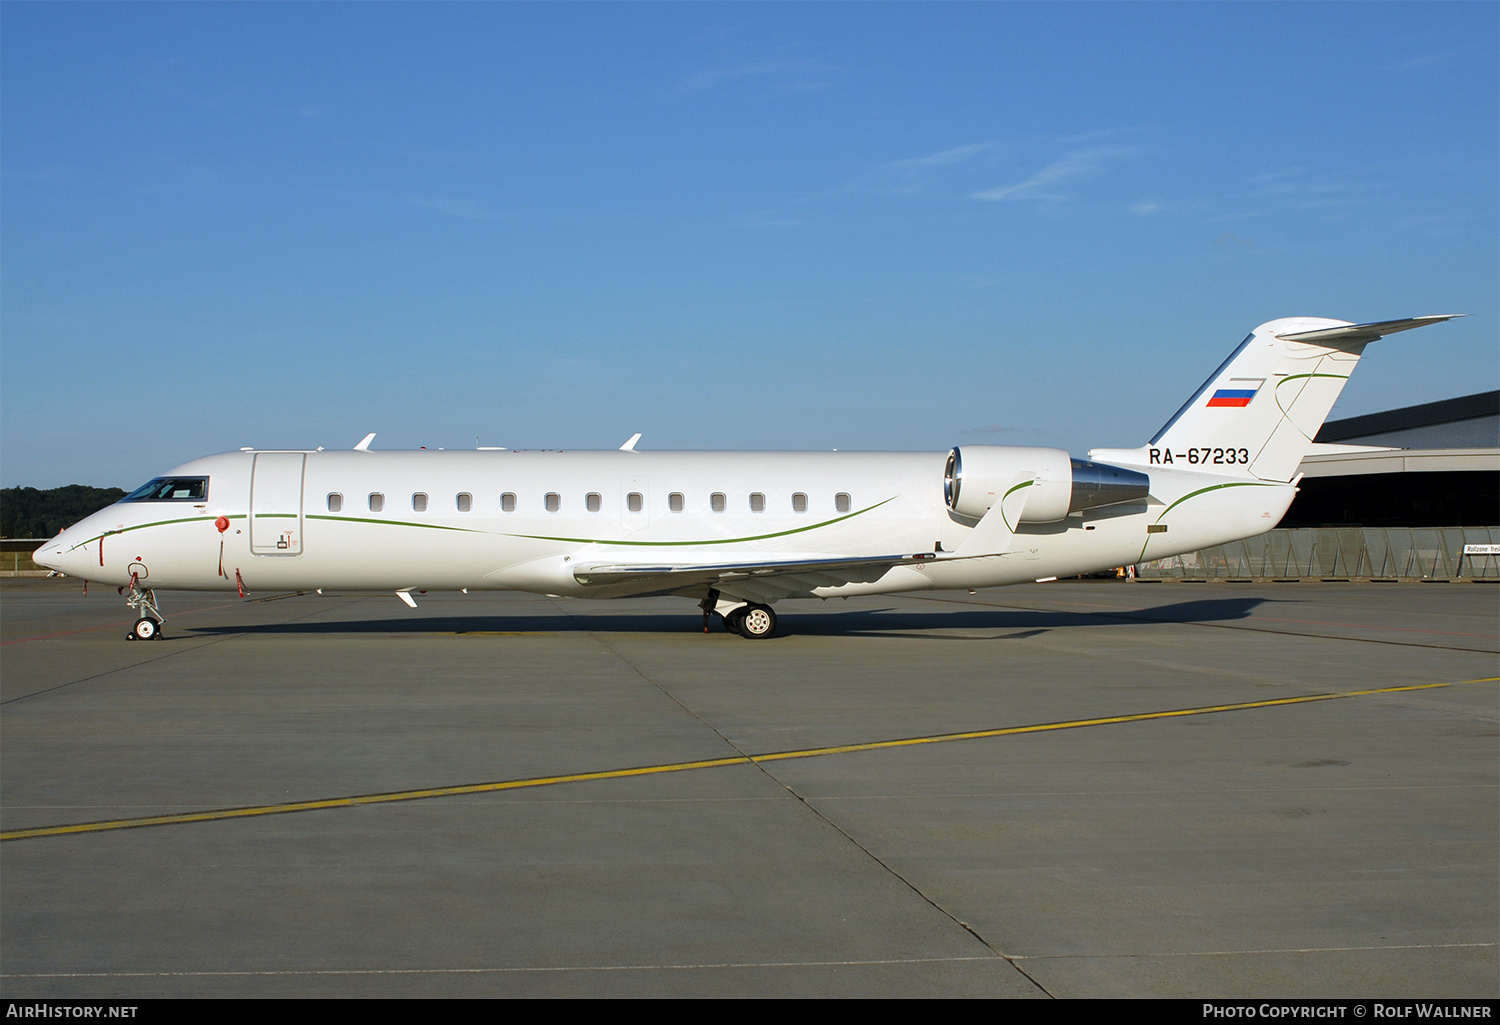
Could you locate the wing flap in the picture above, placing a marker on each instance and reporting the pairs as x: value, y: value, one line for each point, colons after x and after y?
x: 764, y: 580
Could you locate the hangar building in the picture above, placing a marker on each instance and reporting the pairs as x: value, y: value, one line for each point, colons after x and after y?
x: 1407, y: 494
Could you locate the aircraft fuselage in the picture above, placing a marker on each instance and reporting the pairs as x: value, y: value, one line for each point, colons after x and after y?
x: 524, y: 520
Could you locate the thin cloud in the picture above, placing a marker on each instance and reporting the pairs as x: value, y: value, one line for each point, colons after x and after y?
x: 463, y: 208
x: 712, y: 79
x: 1151, y: 207
x: 943, y: 158
x: 960, y: 170
x: 995, y: 429
x: 1422, y: 61
x: 1425, y: 220
x: 794, y: 75
x: 1238, y: 216
x: 1296, y: 189
x: 1320, y: 192
x: 916, y: 174
x: 1290, y: 172
x: 436, y: 156
x: 766, y: 220
x: 1046, y: 184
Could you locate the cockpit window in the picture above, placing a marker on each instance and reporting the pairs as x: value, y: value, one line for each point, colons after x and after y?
x: 171, y: 489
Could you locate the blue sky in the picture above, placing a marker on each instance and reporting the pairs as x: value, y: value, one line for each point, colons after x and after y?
x: 871, y: 226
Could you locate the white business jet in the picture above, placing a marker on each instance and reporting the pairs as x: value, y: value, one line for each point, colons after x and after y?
x: 738, y: 531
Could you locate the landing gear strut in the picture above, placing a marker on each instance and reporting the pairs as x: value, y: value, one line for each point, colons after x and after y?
x: 707, y: 605
x: 148, y: 627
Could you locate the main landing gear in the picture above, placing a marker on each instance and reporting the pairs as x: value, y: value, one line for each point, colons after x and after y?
x: 148, y: 627
x: 751, y: 620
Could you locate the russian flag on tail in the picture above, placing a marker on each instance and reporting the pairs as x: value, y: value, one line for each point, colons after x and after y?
x: 1237, y: 396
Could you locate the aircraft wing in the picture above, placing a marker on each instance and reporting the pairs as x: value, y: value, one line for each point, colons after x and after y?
x: 761, y: 581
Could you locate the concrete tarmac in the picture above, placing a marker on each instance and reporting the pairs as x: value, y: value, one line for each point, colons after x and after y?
x: 1113, y: 830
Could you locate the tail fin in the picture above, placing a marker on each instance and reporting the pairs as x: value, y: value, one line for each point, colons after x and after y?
x: 1257, y: 415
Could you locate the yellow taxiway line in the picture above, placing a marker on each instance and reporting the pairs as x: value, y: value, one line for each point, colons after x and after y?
x: 712, y: 763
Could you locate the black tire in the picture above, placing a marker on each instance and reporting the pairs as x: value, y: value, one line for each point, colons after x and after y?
x: 732, y: 621
x: 757, y: 622
x: 145, y: 629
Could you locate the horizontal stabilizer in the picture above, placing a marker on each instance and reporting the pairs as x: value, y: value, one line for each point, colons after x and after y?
x: 1358, y: 334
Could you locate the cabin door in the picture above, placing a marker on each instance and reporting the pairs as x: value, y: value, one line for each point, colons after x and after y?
x: 276, y: 503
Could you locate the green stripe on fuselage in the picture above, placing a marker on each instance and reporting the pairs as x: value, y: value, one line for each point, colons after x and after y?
x: 715, y: 541
x: 472, y: 530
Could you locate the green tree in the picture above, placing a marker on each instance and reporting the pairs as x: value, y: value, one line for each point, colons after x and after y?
x: 29, y: 512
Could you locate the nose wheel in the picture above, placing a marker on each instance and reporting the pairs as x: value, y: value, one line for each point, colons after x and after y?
x: 145, y: 629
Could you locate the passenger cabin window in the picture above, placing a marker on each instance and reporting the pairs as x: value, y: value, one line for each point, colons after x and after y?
x: 508, y: 502
x: 592, y: 502
x: 377, y: 501
x: 841, y: 502
x: 674, y: 501
x: 171, y: 489
x: 799, y: 502
x: 634, y: 502
x: 716, y: 501
x: 465, y: 501
x: 757, y: 502
x: 335, y: 502
x: 554, y: 501
x: 418, y: 502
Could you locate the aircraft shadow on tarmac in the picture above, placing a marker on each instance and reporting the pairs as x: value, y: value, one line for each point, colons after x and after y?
x: 976, y: 624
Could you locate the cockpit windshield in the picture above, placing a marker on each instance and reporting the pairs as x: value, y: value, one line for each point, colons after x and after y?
x: 171, y: 489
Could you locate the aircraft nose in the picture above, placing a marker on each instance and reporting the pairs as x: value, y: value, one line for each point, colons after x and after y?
x: 48, y: 555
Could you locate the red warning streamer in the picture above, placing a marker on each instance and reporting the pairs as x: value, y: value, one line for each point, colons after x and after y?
x: 223, y: 524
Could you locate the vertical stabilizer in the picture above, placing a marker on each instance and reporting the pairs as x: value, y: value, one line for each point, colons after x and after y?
x: 1257, y: 415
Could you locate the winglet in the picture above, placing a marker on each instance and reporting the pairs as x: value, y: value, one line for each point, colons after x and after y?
x: 990, y: 536
x: 364, y: 446
x: 629, y: 446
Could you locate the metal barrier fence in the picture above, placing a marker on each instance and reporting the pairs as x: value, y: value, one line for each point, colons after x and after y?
x: 1339, y: 553
x: 15, y: 554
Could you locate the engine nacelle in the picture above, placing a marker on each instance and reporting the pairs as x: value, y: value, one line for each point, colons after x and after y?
x: 1034, y: 485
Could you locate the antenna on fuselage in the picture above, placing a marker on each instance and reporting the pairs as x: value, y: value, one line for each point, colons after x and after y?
x: 364, y: 446
x: 629, y: 446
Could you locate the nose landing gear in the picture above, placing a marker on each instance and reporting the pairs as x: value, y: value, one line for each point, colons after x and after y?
x: 148, y: 627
